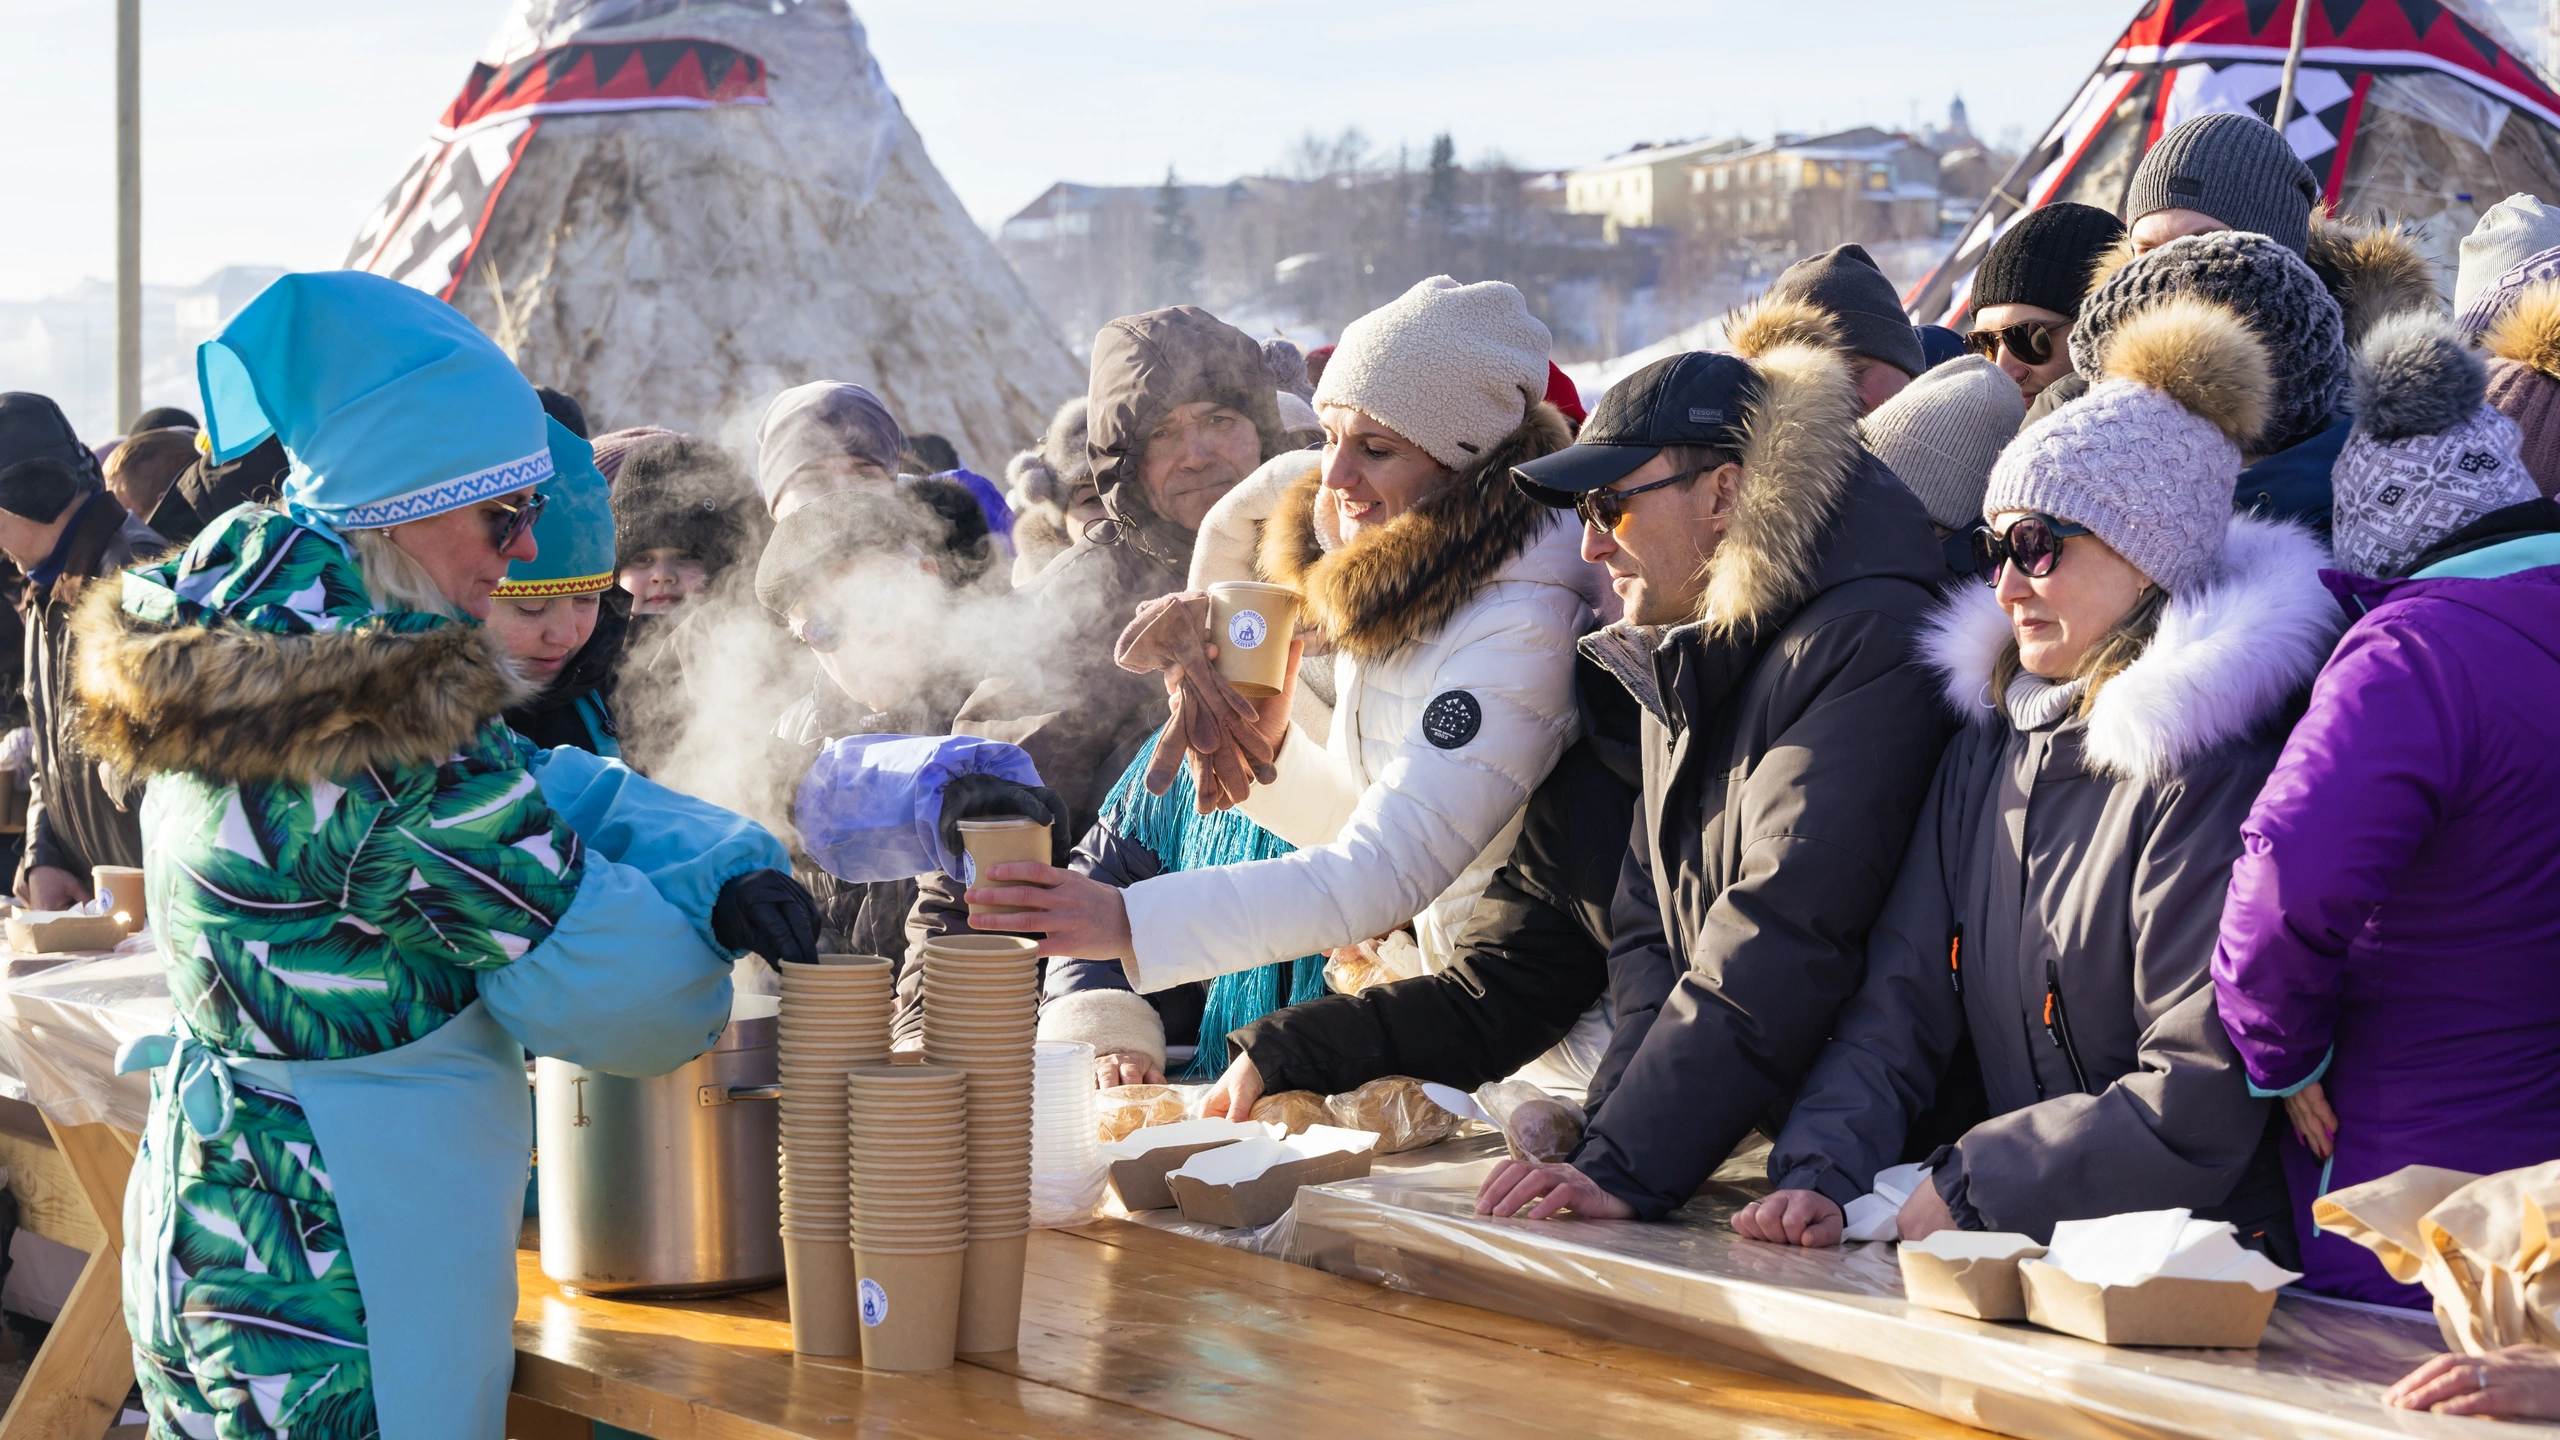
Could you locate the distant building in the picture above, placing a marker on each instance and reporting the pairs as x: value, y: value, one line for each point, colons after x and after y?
x: 1646, y: 188
x: 64, y: 345
x: 1864, y: 185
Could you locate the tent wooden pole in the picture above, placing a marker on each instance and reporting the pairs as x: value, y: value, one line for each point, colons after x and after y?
x: 2292, y: 61
x: 128, y: 213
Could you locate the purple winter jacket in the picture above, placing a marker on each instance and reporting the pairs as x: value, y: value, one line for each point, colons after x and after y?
x: 2393, y: 924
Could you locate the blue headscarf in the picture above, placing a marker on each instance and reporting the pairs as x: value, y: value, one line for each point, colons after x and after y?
x: 573, y: 541
x: 390, y: 404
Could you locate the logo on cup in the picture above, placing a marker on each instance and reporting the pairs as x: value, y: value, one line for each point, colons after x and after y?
x: 1247, y: 629
x: 875, y: 1303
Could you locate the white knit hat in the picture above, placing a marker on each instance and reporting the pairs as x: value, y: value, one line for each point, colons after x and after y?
x: 1453, y: 368
x: 2516, y: 228
x: 2148, y: 458
x: 1942, y: 433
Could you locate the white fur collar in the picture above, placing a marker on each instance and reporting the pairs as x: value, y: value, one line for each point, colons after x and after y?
x: 2225, y: 658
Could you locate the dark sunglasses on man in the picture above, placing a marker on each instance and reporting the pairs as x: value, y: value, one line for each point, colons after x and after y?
x: 510, y: 519
x: 1605, y: 509
x: 2032, y: 543
x: 2030, y: 340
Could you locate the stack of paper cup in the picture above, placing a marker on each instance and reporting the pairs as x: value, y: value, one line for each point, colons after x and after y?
x: 834, y: 1018
x: 981, y: 1003
x: 1067, y: 1168
x: 907, y: 1129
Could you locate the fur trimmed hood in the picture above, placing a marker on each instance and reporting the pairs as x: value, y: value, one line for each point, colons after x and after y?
x: 317, y: 687
x: 1761, y: 326
x: 2227, y: 655
x: 1800, y: 443
x: 1402, y: 581
x: 2529, y: 333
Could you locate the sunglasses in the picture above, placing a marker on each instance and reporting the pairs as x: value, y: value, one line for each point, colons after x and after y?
x: 1606, y: 509
x: 2032, y: 543
x: 511, y: 520
x: 819, y: 633
x: 2031, y: 341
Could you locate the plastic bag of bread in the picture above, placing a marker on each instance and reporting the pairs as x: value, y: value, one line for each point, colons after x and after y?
x: 1125, y: 1109
x: 1396, y: 1111
x: 1534, y: 1124
x: 1293, y: 1109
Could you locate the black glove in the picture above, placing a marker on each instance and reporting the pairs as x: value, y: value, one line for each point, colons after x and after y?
x: 769, y: 913
x: 986, y: 797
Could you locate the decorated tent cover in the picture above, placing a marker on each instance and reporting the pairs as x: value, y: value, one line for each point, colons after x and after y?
x: 425, y: 230
x: 2410, y: 110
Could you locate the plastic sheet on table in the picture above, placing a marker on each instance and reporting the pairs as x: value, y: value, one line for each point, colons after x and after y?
x: 60, y: 1026
x: 1276, y: 1239
x: 1690, y: 1284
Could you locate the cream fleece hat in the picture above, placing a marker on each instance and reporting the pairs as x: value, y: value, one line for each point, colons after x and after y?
x: 1942, y: 433
x: 1453, y: 368
x: 2516, y: 228
x: 2149, y: 457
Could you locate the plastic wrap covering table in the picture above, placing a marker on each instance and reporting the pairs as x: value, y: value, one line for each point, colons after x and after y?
x: 60, y: 1024
x: 1689, y: 1284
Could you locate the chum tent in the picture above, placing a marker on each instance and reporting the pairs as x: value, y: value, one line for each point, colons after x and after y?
x: 674, y: 209
x: 2416, y: 111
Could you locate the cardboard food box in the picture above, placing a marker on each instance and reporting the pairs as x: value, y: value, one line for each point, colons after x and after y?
x: 1266, y: 1175
x: 1140, y: 1162
x: 35, y: 932
x: 1968, y: 1273
x: 2164, y: 1310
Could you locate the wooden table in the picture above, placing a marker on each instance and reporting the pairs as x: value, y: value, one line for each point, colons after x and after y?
x: 1131, y: 1332
x: 75, y: 1386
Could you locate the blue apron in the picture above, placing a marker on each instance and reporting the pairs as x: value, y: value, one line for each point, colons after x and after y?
x: 436, y: 1261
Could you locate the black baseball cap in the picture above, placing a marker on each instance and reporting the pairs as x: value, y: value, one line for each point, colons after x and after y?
x: 1689, y: 399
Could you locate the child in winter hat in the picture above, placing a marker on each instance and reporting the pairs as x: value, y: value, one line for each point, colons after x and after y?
x: 2148, y: 458
x: 2428, y: 455
x: 1453, y: 368
x: 1943, y: 433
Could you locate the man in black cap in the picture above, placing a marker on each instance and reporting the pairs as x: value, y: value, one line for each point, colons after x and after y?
x: 1776, y: 579
x: 2027, y: 295
x: 61, y: 527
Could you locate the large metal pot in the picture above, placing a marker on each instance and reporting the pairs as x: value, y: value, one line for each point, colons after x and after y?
x: 670, y: 1185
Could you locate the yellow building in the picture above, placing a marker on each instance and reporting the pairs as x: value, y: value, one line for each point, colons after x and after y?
x: 1645, y: 188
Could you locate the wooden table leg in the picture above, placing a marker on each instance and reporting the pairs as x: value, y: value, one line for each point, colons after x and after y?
x: 75, y: 1386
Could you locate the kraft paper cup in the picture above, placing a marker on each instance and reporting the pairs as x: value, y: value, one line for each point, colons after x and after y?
x: 1002, y: 842
x: 991, y: 1295
x: 121, y: 887
x: 982, y: 946
x: 907, y: 1307
x: 1251, y: 623
x: 822, y: 1288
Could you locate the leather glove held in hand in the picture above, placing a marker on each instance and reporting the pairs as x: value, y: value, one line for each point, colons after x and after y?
x: 767, y: 912
x: 986, y: 797
x: 1211, y: 719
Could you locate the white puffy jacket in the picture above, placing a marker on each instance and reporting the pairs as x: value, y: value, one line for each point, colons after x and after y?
x: 1453, y: 679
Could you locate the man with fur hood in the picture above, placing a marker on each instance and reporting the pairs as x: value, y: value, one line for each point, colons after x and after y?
x: 1776, y: 577
x: 2127, y: 680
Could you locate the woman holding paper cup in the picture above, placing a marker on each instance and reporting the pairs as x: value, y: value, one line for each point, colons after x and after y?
x: 2127, y: 673
x: 1451, y: 603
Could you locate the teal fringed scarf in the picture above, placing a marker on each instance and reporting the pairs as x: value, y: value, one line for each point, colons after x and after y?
x: 1183, y: 839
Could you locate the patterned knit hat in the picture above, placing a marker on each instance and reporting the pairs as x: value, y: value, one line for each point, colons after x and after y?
x: 2516, y: 228
x: 2268, y: 286
x: 1944, y: 431
x: 2491, y: 302
x: 2427, y: 457
x: 2148, y: 458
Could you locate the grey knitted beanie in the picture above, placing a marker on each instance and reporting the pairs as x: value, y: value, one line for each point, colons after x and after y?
x: 2148, y: 458
x: 2233, y: 167
x: 2269, y: 287
x: 1942, y: 433
x: 2427, y: 456
x: 1453, y: 368
x: 2515, y: 228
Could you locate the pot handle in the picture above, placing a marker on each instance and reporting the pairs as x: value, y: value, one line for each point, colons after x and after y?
x: 724, y: 1094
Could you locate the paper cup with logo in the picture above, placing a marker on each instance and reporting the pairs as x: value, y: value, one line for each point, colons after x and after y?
x: 121, y: 887
x: 1251, y: 623
x: 908, y: 1305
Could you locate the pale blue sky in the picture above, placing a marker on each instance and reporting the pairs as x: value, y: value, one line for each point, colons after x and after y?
x: 273, y: 126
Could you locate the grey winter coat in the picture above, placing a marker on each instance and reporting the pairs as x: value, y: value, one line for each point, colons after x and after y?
x: 1787, y: 745
x: 81, y: 814
x: 2058, y: 908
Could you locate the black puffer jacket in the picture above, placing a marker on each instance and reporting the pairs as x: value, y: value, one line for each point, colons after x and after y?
x: 82, y: 814
x: 1788, y: 742
x: 1532, y: 958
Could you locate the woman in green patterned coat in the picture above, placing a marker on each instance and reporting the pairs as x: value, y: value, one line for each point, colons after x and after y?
x: 371, y: 896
